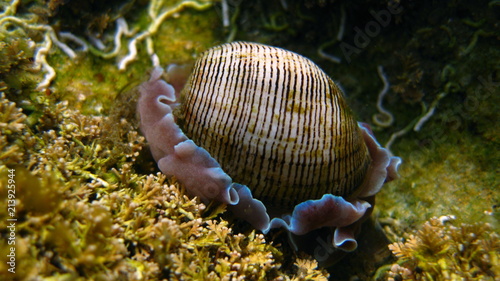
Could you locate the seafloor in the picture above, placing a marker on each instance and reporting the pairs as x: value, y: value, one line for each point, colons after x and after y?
x: 82, y: 199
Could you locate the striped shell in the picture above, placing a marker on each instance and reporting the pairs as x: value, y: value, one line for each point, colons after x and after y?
x: 275, y: 122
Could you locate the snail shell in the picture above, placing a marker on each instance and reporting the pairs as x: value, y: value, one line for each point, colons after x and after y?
x: 275, y: 122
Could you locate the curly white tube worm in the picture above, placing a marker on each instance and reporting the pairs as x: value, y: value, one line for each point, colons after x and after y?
x: 154, y: 26
x: 340, y: 35
x: 11, y: 9
x: 429, y: 113
x: 384, y: 118
x: 41, y: 62
x: 132, y: 47
x: 50, y: 37
x: 225, y: 13
x: 70, y: 36
x: 418, y: 122
x: 121, y: 29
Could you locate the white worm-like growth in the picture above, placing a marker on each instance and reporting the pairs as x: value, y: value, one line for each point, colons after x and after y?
x: 340, y: 35
x: 50, y: 38
x: 157, y: 20
x: 384, y: 118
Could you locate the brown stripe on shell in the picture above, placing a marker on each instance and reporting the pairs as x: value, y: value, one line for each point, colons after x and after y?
x: 275, y: 122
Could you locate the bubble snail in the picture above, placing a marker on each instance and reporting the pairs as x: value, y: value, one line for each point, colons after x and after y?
x: 267, y: 132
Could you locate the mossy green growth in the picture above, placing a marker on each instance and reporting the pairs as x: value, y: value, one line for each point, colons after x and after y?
x: 16, y: 51
x: 444, y: 250
x: 455, y: 177
x: 83, y: 213
x: 13, y: 127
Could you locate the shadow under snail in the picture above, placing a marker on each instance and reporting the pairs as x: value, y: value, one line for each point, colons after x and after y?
x: 267, y: 132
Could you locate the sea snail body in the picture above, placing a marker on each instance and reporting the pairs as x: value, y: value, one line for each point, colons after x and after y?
x: 262, y: 128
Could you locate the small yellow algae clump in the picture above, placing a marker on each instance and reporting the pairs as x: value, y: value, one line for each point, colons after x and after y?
x: 442, y: 251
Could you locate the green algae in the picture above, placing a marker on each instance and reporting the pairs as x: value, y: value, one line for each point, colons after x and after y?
x: 441, y: 250
x: 463, y: 186
x: 83, y: 213
x: 16, y: 49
